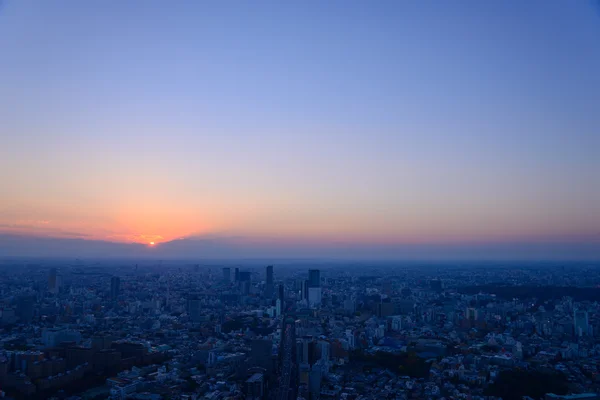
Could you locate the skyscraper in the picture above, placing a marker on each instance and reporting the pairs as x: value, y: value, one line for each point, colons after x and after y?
x: 226, y: 274
x: 194, y: 309
x: 52, y: 281
x: 314, y: 278
x: 115, y: 285
x: 580, y: 323
x: 269, y: 282
x: 237, y: 275
x: 245, y: 282
x: 304, y: 290
x: 314, y: 288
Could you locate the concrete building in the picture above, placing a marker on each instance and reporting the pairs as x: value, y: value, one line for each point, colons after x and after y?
x: 269, y: 282
x: 115, y: 287
x: 226, y: 274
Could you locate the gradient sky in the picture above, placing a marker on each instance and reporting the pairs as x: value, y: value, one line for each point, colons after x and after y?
x: 308, y: 121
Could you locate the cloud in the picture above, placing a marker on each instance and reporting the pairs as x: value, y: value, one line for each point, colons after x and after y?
x: 134, y: 238
x: 239, y: 247
x: 39, y: 228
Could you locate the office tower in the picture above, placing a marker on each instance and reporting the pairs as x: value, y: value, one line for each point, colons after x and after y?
x: 314, y: 383
x: 226, y: 274
x: 307, y: 350
x: 194, y: 309
x: 281, y: 294
x: 269, y: 282
x: 115, y: 285
x: 314, y: 297
x: 245, y: 282
x: 52, y: 281
x: 237, y: 275
x: 580, y: 323
x: 304, y: 290
x: 245, y: 276
x: 314, y: 288
x: 314, y: 278
x: 278, y: 305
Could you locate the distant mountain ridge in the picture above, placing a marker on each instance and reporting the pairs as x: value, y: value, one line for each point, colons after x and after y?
x: 238, y: 247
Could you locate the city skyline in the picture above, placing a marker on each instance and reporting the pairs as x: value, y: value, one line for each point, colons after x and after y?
x: 383, y: 130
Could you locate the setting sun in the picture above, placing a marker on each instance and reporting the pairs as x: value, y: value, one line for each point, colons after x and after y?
x: 151, y: 243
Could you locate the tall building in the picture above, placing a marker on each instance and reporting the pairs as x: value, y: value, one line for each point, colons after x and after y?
x: 115, y: 285
x: 236, y: 277
x: 314, y: 288
x: 245, y: 282
x: 226, y: 274
x: 194, y: 309
x: 52, y: 281
x: 269, y: 282
x: 314, y: 297
x: 278, y: 306
x: 580, y: 323
x: 304, y: 290
x: 314, y: 278
x: 245, y: 276
x: 281, y: 294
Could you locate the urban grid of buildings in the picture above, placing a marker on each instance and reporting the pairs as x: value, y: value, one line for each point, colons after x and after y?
x: 74, y: 330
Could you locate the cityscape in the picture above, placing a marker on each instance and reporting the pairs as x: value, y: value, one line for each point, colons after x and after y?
x: 300, y: 200
x: 175, y: 330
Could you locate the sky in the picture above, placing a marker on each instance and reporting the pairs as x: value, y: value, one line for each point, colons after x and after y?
x: 301, y: 123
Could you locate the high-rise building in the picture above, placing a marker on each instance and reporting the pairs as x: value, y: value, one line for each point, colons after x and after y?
x: 52, y: 281
x: 314, y: 297
x: 115, y: 285
x: 194, y: 309
x: 269, y: 282
x: 245, y: 282
x: 245, y: 276
x: 226, y: 274
x: 304, y: 290
x: 314, y: 278
x: 278, y: 305
x: 580, y: 323
x: 237, y: 275
x: 281, y: 294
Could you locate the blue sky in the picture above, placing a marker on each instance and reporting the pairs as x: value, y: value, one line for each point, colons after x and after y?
x: 363, y: 122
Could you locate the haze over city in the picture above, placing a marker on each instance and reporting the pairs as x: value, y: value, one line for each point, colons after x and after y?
x: 300, y: 200
x: 336, y: 129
